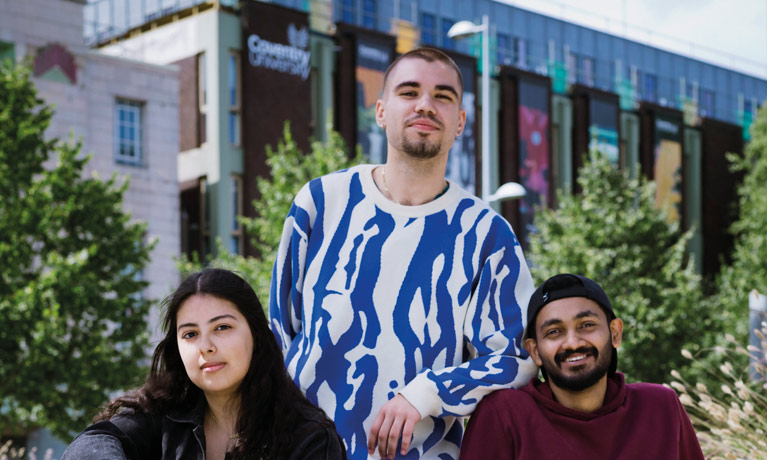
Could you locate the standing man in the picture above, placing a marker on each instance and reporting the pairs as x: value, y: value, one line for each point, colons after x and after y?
x: 397, y: 296
x: 584, y: 410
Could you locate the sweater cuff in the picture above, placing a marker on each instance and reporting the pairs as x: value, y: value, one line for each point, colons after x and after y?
x: 422, y: 394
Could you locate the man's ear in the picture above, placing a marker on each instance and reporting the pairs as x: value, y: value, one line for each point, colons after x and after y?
x: 532, y: 347
x: 616, y: 332
x: 380, y: 114
x: 461, y: 122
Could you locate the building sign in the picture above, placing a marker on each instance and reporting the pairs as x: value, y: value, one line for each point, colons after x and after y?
x: 275, y: 86
x: 534, y: 172
x: 667, y: 169
x: 291, y: 58
x: 373, y: 57
x: 461, y: 162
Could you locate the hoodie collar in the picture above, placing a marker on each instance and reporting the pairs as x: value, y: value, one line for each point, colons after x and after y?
x: 614, y: 397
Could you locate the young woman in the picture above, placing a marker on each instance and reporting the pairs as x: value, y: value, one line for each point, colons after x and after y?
x: 217, y: 389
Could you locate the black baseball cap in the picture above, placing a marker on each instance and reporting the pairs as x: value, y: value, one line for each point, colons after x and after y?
x: 567, y: 285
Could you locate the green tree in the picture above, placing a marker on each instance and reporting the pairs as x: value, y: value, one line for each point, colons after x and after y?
x: 72, y: 318
x: 613, y: 233
x: 748, y: 269
x: 290, y: 169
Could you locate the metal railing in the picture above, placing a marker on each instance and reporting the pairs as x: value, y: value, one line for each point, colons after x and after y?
x: 106, y: 19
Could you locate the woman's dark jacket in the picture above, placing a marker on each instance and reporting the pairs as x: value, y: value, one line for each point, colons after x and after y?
x: 179, y: 435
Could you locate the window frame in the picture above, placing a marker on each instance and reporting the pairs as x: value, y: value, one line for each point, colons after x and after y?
x: 236, y: 233
x: 234, y: 88
x: 430, y: 32
x: 126, y: 105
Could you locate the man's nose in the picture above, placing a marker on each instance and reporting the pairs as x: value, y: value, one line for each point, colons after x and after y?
x: 573, y: 340
x: 425, y: 104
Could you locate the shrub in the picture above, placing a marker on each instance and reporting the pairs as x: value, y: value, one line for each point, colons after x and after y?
x: 613, y: 233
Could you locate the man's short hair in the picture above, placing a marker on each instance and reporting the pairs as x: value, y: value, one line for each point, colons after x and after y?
x: 429, y: 55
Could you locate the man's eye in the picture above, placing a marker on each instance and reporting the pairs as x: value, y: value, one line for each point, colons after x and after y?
x: 551, y: 332
x: 446, y: 97
x: 408, y: 93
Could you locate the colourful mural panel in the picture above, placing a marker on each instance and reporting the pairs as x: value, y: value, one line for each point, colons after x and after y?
x: 668, y: 167
x: 534, y: 152
x: 603, y: 128
x: 373, y: 57
x: 461, y: 161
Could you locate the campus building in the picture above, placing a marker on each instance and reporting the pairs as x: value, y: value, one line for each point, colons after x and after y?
x: 125, y: 112
x: 558, y: 89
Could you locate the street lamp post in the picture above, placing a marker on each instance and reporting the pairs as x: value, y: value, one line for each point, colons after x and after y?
x: 463, y: 29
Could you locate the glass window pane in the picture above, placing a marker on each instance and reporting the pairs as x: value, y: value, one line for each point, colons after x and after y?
x: 232, y: 80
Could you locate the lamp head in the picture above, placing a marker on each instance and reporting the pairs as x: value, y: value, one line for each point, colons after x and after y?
x: 464, y: 29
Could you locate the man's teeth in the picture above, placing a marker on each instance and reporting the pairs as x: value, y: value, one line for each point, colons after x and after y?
x: 574, y: 358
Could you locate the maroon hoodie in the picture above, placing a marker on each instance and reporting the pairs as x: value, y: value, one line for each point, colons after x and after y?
x: 637, y: 421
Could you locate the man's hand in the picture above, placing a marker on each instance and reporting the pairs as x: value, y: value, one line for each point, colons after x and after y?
x: 396, y: 417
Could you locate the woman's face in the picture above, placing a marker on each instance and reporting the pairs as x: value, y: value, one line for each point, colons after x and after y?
x: 215, y: 344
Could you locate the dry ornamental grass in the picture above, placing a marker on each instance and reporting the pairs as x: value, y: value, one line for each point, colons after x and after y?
x: 731, y: 423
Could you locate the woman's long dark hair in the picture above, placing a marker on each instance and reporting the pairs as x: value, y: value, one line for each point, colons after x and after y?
x: 271, y: 405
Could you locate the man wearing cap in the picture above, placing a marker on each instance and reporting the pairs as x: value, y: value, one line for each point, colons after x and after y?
x: 583, y: 409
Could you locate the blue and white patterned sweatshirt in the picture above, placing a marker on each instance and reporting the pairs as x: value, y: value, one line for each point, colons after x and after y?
x: 370, y: 299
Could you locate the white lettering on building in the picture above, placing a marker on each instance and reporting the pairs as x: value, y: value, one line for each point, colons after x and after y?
x: 292, y: 59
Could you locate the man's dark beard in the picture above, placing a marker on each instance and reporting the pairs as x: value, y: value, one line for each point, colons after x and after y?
x: 579, y: 381
x: 422, y: 150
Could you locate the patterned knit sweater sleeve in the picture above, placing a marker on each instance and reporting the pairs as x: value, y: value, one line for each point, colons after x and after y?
x: 493, y: 328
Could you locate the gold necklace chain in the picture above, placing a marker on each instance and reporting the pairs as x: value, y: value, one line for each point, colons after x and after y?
x: 386, y: 189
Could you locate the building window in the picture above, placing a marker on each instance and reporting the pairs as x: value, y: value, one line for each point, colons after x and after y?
x: 748, y: 106
x: 505, y: 54
x: 520, y: 52
x: 428, y: 29
x: 586, y: 74
x: 447, y: 42
x: 571, y: 63
x: 128, y: 132
x: 235, y: 245
x: 369, y: 14
x: 234, y: 98
x: 650, y: 88
x: 347, y: 11
x: 691, y: 91
x: 707, y: 103
x: 202, y: 82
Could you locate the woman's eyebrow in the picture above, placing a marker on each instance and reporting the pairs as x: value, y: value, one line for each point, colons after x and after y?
x: 212, y: 320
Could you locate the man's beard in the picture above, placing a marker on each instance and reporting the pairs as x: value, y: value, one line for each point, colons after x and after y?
x: 422, y: 149
x: 579, y: 380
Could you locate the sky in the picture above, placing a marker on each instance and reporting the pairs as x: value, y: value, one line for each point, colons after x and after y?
x: 729, y: 33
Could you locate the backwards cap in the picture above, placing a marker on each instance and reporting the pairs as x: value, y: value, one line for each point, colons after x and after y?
x: 563, y: 286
